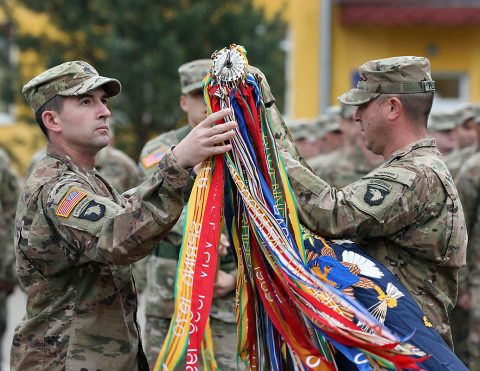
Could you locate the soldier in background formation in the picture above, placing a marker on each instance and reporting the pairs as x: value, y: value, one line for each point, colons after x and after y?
x: 9, y: 189
x: 114, y: 165
x: 76, y: 236
x: 156, y: 273
x: 466, y: 315
x: 406, y: 213
x: 307, y: 136
x: 441, y: 126
x: 467, y: 138
x: 350, y: 162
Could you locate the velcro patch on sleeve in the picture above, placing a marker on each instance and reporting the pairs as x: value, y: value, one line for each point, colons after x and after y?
x: 69, y: 202
x: 154, y: 158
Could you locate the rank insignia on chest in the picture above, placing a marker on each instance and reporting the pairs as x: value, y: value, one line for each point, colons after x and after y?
x: 376, y: 193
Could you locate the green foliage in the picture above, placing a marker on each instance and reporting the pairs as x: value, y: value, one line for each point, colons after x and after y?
x: 143, y: 42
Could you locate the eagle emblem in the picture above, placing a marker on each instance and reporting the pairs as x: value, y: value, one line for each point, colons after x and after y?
x: 93, y: 211
x: 375, y: 194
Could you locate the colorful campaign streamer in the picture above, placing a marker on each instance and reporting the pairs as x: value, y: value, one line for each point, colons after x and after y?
x: 297, y: 307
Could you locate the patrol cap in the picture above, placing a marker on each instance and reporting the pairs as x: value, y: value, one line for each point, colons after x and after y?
x: 67, y: 79
x: 442, y: 120
x: 193, y: 73
x: 466, y: 113
x: 330, y: 120
x: 347, y: 112
x: 396, y: 75
x: 304, y: 128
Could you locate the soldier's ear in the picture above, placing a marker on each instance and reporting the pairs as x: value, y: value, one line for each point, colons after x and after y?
x: 183, y: 103
x: 51, y: 121
x: 395, y: 108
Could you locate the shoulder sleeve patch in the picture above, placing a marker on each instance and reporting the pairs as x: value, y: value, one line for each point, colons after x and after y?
x: 69, y: 202
x: 393, y: 174
x: 154, y: 158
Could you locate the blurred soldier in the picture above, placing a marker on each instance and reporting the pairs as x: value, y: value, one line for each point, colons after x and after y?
x: 333, y: 138
x: 441, y: 126
x: 351, y: 161
x: 76, y: 236
x: 406, y: 213
x: 161, y: 265
x: 466, y: 129
x: 9, y: 188
x: 466, y: 314
x: 118, y: 169
x: 307, y: 136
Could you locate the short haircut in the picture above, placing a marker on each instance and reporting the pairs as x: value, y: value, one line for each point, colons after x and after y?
x: 417, y: 106
x: 54, y: 104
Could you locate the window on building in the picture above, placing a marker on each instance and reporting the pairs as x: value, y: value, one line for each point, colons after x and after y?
x: 451, y: 88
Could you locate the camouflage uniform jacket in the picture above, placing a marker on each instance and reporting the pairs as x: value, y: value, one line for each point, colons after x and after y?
x: 406, y: 213
x: 75, y: 240
x: 469, y: 191
x: 9, y: 189
x: 160, y: 268
x: 456, y: 159
x: 346, y: 165
x: 118, y: 169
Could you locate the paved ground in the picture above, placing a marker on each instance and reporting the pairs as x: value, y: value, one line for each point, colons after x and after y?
x: 16, y: 310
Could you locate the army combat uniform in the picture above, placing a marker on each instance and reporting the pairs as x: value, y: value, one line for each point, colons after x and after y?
x: 469, y: 191
x: 75, y: 239
x: 118, y: 169
x: 157, y: 274
x: 406, y: 213
x: 9, y: 189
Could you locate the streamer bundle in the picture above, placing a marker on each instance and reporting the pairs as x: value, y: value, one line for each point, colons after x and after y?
x: 303, y: 303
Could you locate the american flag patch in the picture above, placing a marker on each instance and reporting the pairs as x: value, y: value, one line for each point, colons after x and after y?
x: 154, y: 158
x: 68, y: 203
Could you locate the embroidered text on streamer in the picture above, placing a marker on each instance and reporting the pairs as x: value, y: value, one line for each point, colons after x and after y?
x: 303, y: 303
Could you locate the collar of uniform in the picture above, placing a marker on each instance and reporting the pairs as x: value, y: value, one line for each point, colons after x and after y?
x: 62, y: 156
x: 427, y: 142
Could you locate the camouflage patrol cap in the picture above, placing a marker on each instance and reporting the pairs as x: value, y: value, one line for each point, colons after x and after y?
x: 193, y: 73
x: 67, y: 79
x: 466, y: 113
x: 330, y: 122
x: 442, y: 121
x: 347, y: 112
x: 396, y: 75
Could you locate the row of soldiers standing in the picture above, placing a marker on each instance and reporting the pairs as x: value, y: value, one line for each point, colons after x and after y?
x: 155, y: 274
x: 336, y: 152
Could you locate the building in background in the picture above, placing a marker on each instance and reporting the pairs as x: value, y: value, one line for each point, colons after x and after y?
x: 326, y: 42
x: 329, y: 39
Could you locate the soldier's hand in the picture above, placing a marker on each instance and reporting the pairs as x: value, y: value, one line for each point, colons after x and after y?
x: 223, y: 245
x: 205, y: 140
x: 224, y: 284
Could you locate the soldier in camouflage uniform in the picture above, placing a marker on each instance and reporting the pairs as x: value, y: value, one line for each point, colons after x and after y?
x: 406, y: 213
x: 115, y: 166
x: 159, y: 268
x: 307, y: 136
x: 351, y: 161
x: 9, y: 188
x: 466, y: 141
x: 441, y: 126
x: 466, y: 315
x: 75, y: 236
